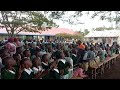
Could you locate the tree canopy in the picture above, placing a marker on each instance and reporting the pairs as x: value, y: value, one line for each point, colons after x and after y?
x: 111, y: 16
x: 37, y: 21
x: 31, y: 21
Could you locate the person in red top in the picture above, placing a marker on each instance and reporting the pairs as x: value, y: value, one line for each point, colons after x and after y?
x: 80, y: 45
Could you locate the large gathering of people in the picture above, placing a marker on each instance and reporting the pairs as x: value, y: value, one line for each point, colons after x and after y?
x: 32, y: 59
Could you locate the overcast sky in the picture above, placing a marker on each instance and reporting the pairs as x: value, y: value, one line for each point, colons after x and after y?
x: 88, y: 23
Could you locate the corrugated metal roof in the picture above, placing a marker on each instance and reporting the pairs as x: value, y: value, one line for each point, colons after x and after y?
x: 105, y: 33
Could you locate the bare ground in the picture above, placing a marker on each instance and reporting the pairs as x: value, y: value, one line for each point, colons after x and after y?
x: 113, y: 72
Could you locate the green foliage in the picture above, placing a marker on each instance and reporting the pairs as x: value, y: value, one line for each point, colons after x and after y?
x: 86, y: 31
x: 30, y: 21
x: 69, y: 36
x: 103, y: 28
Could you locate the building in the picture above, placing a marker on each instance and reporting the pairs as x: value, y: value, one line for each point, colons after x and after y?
x: 108, y: 36
x: 47, y: 35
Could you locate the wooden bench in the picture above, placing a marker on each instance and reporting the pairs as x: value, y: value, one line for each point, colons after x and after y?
x: 110, y: 60
x: 94, y: 68
x: 101, y: 66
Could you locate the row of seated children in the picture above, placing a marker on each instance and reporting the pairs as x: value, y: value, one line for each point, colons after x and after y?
x: 23, y: 67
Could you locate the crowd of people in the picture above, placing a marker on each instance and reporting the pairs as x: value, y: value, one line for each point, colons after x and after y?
x: 22, y: 59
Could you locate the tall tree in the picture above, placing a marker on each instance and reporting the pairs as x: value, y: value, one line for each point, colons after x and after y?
x: 30, y: 21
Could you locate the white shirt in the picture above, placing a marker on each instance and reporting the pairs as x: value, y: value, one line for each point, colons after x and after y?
x: 36, y: 70
x: 28, y: 70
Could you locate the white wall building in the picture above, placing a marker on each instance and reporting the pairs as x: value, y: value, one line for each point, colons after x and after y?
x: 108, y: 36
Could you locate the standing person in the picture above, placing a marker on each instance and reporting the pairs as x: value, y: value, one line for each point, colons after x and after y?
x: 86, y: 60
x: 11, y: 46
x: 91, y: 56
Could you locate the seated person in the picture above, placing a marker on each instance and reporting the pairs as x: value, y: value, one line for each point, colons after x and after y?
x: 27, y: 71
x: 8, y: 72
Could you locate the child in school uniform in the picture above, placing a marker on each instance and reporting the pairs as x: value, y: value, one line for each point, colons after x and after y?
x: 74, y: 56
x: 37, y: 68
x: 37, y: 55
x: 8, y: 72
x: 62, y: 65
x: 46, y: 65
x: 3, y: 54
x: 103, y: 54
x: 54, y: 72
x: 27, y: 54
x: 32, y: 49
x: 27, y: 71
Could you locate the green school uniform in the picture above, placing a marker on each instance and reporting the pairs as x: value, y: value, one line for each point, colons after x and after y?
x: 62, y: 65
x: 75, y: 59
x: 32, y: 51
x: 54, y: 74
x: 45, y: 67
x: 8, y: 74
x: 27, y: 74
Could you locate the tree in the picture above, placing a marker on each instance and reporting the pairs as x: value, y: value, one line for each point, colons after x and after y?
x: 30, y: 21
x: 111, y: 16
x: 103, y: 28
x: 64, y: 35
x: 69, y: 36
x: 86, y: 31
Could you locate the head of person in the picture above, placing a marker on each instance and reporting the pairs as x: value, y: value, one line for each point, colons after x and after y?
x: 45, y: 58
x: 37, y: 54
x: 74, y: 51
x: 26, y: 63
x: 26, y: 46
x: 9, y: 62
x: 60, y: 55
x: 66, y: 53
x: 4, y: 53
x: 91, y: 48
x: 15, y: 40
x: 79, y: 42
x: 36, y: 62
x: 17, y: 57
x: 11, y: 40
x: 19, y: 50
x: 49, y: 49
x: 27, y: 53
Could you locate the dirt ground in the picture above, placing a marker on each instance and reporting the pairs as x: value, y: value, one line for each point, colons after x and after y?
x: 113, y: 72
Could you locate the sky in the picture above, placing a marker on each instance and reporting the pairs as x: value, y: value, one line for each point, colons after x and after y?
x: 88, y: 23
